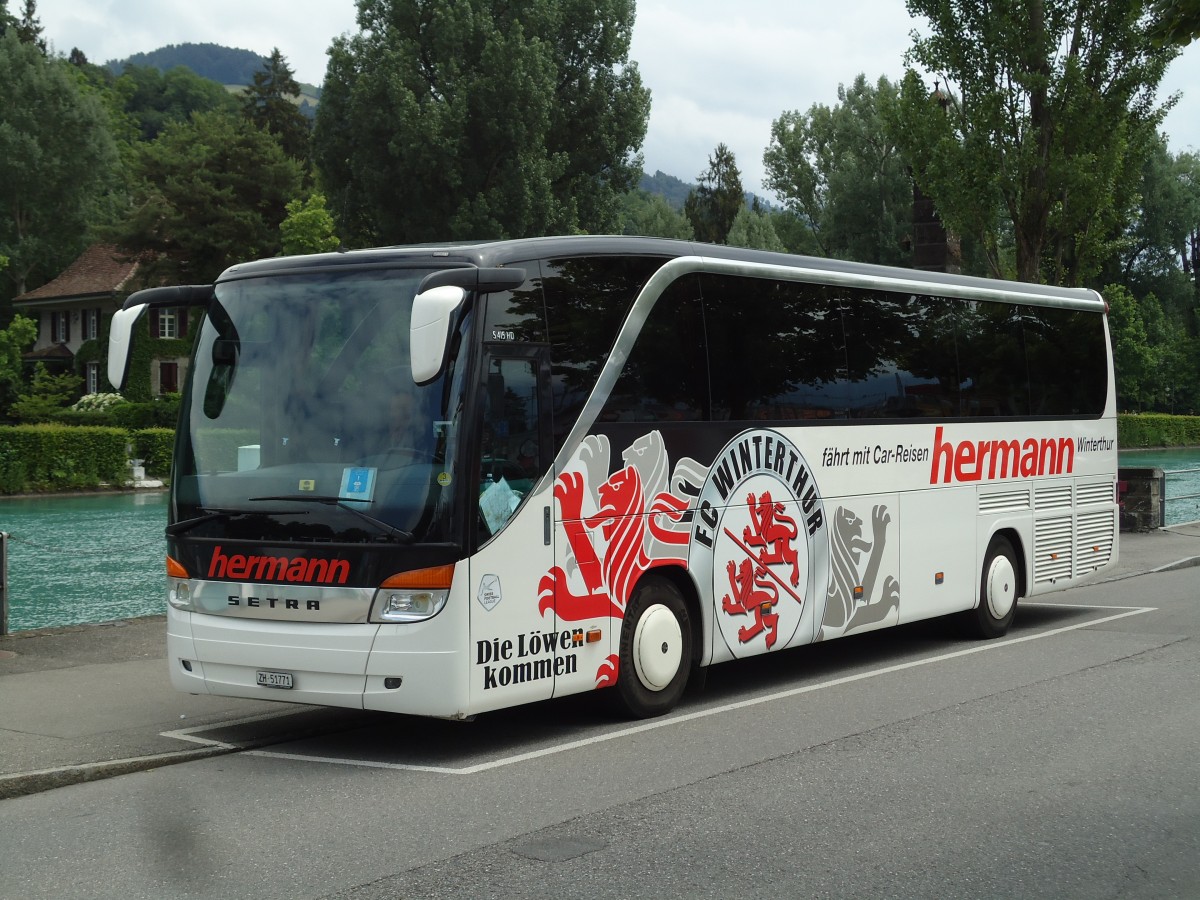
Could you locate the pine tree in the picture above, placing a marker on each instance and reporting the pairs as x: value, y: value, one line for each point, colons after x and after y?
x: 714, y: 204
x: 269, y: 105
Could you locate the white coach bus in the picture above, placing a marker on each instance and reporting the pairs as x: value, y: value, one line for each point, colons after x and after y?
x: 446, y: 480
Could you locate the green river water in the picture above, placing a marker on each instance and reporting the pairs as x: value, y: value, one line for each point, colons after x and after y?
x: 82, y: 559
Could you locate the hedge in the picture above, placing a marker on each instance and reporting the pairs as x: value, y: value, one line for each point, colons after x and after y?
x: 154, y: 447
x: 37, y: 458
x: 60, y: 457
x: 1140, y: 430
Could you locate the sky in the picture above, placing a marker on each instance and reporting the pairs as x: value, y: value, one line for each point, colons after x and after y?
x: 717, y: 72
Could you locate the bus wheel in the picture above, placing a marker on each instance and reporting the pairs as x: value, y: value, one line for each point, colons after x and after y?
x: 656, y: 649
x: 999, y: 588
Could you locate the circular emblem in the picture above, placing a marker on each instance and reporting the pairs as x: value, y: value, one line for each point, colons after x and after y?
x: 760, y: 537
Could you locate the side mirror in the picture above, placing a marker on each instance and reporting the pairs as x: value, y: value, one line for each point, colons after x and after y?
x: 120, y: 334
x: 429, y: 330
x: 120, y: 340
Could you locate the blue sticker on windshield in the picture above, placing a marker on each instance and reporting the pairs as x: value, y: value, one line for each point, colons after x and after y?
x: 358, y: 483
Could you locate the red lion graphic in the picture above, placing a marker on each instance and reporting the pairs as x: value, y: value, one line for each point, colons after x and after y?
x: 622, y: 520
x: 773, y: 532
x: 616, y: 545
x: 751, y: 591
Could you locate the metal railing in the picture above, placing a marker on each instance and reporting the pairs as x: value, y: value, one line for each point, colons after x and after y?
x: 3, y: 583
x: 1168, y: 498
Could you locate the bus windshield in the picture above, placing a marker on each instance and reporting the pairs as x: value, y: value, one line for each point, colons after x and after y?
x: 301, y: 420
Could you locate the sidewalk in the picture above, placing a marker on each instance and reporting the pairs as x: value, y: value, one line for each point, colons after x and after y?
x: 93, y: 701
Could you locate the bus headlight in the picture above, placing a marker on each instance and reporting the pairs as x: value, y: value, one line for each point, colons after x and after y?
x: 412, y: 596
x: 179, y: 587
x: 179, y: 594
x: 409, y: 606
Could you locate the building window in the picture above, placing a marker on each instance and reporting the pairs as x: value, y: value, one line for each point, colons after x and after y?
x: 91, y: 373
x: 167, y: 324
x: 60, y: 327
x: 91, y: 324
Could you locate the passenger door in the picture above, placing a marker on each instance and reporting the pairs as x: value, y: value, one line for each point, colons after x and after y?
x: 512, y: 629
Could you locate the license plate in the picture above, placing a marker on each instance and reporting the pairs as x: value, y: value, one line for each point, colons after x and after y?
x: 275, y: 679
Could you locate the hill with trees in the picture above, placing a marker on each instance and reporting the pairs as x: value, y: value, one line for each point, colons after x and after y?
x: 225, y: 65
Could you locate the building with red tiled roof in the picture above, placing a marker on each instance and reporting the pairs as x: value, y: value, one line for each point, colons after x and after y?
x: 70, y: 309
x: 74, y: 309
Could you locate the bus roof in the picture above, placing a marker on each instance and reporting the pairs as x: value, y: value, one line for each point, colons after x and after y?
x: 507, y: 252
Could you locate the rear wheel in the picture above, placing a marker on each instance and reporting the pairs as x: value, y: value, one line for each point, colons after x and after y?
x: 999, y: 588
x: 656, y: 649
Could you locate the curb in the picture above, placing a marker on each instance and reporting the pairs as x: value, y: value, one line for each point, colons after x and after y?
x: 28, y: 783
x: 23, y: 784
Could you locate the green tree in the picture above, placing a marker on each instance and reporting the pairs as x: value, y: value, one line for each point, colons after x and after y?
x: 153, y: 99
x: 48, y: 393
x: 269, y: 104
x: 56, y: 158
x: 212, y: 192
x: 457, y: 119
x: 29, y: 26
x: 651, y: 215
x: 840, y: 171
x: 795, y: 233
x: 1150, y: 353
x: 1175, y: 21
x: 714, y: 203
x: 16, y: 339
x: 1049, y: 109
x: 1155, y: 251
x: 753, y: 228
x: 308, y: 227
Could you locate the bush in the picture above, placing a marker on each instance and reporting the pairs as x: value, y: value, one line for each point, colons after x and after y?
x: 154, y: 447
x: 97, y: 402
x: 82, y: 417
x: 162, y: 412
x: 59, y: 457
x: 1135, y: 431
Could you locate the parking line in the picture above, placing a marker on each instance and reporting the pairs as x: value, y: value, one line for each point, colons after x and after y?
x: 671, y: 720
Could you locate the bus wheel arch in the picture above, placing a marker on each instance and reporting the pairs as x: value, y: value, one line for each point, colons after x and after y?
x: 1001, y: 585
x: 657, y: 647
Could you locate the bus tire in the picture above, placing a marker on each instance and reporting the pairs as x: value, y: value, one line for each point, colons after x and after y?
x: 999, y: 589
x: 656, y: 649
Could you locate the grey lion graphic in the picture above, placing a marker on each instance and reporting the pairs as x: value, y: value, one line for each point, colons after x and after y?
x: 845, y: 607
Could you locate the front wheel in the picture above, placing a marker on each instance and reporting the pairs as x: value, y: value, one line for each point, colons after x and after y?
x: 999, y: 588
x: 656, y: 649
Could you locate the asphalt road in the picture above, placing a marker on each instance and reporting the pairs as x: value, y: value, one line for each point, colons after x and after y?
x: 1061, y: 761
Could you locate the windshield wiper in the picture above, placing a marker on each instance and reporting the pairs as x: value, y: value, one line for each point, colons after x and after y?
x: 340, y: 502
x: 211, y: 514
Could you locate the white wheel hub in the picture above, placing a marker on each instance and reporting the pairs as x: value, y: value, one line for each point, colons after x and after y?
x: 657, y: 647
x: 1001, y: 587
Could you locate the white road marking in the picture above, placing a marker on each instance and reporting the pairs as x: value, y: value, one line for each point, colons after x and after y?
x: 670, y: 720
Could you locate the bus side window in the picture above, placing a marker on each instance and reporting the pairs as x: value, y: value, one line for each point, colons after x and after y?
x: 1065, y: 349
x: 901, y: 354
x: 665, y: 378
x: 518, y: 316
x: 511, y: 452
x: 586, y: 302
x: 995, y: 377
x: 778, y: 347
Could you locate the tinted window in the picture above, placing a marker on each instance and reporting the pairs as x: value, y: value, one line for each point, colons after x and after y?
x: 665, y: 378
x: 901, y: 354
x: 517, y: 316
x: 778, y: 350
x: 994, y: 379
x: 1066, y: 355
x: 586, y: 302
